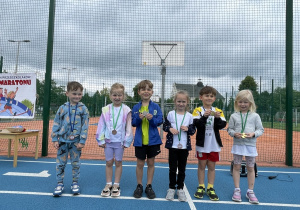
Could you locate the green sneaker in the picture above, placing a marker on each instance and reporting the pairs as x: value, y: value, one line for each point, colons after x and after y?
x: 212, y: 194
x: 199, y: 193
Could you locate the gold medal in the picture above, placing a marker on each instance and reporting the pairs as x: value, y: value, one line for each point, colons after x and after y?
x: 212, y: 113
x: 114, y: 132
x: 243, y: 135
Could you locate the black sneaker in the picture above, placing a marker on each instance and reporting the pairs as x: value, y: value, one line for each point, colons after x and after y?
x: 199, y: 193
x: 212, y: 194
x: 149, y: 192
x: 138, y: 191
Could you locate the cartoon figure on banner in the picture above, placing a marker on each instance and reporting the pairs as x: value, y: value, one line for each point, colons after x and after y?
x: 9, y: 97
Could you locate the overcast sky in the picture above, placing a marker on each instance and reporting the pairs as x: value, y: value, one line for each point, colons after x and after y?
x: 225, y: 40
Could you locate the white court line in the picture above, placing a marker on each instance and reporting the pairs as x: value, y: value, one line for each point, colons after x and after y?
x: 247, y: 203
x: 82, y: 196
x: 103, y: 164
x: 156, y: 199
x: 189, y: 199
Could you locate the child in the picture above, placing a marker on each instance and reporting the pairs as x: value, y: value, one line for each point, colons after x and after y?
x: 179, y: 125
x: 244, y: 126
x: 146, y: 117
x: 69, y: 133
x: 208, y: 121
x: 9, y: 97
x: 114, y: 133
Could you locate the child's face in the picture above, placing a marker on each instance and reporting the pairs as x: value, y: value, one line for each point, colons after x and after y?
x: 12, y: 95
x: 207, y: 99
x: 181, y: 102
x: 117, y: 97
x: 244, y: 105
x: 145, y: 93
x: 74, y: 96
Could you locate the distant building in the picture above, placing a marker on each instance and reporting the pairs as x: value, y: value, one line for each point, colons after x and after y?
x: 193, y: 90
x: 155, y: 98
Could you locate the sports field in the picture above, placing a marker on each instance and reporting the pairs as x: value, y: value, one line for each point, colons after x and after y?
x: 271, y: 146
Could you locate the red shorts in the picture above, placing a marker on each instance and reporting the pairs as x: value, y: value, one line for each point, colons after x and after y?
x: 212, y: 156
x: 7, y: 107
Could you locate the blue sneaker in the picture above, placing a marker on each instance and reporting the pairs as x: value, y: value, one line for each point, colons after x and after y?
x: 58, y: 190
x: 75, y: 188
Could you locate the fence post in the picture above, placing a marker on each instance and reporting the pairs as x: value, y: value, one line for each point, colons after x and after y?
x: 47, y: 99
x: 289, y: 83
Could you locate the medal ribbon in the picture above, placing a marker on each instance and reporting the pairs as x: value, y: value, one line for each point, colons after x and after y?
x: 70, y: 116
x: 243, y: 124
x: 113, y: 115
x: 179, y: 136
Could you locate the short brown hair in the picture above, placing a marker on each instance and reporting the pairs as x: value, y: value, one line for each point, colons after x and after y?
x: 142, y: 84
x: 207, y: 90
x: 73, y: 86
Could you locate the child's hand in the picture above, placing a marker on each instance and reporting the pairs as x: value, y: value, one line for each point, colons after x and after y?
x: 80, y: 146
x: 141, y: 115
x: 56, y: 145
x: 184, y: 128
x: 102, y: 145
x: 149, y: 116
x: 217, y: 114
x: 174, y: 131
x: 207, y: 113
x: 238, y: 135
x: 250, y: 135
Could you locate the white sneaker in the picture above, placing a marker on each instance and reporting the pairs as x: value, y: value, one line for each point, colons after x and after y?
x: 170, y: 194
x: 181, y: 195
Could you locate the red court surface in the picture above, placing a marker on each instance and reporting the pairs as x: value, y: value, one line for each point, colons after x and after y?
x: 271, y: 146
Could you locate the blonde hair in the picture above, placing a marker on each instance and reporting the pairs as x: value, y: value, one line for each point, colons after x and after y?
x: 245, y: 95
x: 117, y: 86
x: 185, y: 93
x: 10, y: 93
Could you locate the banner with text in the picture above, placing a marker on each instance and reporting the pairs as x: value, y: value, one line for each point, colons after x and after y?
x: 18, y: 95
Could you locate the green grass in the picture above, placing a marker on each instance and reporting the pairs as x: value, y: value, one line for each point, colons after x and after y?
x: 281, y: 126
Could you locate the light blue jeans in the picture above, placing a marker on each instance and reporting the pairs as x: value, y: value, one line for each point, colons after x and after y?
x: 62, y: 158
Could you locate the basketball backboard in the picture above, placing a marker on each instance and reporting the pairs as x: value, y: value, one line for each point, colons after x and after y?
x: 154, y: 53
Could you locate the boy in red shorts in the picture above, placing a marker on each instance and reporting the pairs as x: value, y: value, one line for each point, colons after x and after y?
x: 208, y: 121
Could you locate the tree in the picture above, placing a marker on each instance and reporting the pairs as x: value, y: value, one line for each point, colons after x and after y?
x: 249, y: 83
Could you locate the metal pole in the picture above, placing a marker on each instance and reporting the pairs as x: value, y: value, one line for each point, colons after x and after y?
x: 272, y: 102
x: 18, y: 51
x: 289, y: 83
x: 47, y: 99
x: 163, y: 73
x: 1, y: 64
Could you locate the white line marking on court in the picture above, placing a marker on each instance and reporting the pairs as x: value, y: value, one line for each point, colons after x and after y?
x: 103, y: 164
x: 82, y: 196
x: 41, y: 174
x: 189, y: 199
x: 247, y: 203
x: 156, y: 199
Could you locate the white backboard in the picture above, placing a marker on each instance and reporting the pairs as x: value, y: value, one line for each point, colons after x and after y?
x: 154, y: 52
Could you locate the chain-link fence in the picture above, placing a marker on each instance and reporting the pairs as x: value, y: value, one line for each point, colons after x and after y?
x: 230, y: 45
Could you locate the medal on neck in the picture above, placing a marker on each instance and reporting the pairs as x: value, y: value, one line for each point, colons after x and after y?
x: 72, y: 137
x: 114, y: 131
x: 243, y: 124
x: 179, y: 146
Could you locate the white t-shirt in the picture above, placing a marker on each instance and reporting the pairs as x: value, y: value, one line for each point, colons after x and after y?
x: 118, y: 136
x: 210, y: 143
x: 188, y: 119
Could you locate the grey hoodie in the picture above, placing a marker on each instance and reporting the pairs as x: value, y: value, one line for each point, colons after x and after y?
x: 253, y: 124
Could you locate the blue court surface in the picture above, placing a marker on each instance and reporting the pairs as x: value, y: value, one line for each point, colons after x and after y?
x: 31, y: 183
